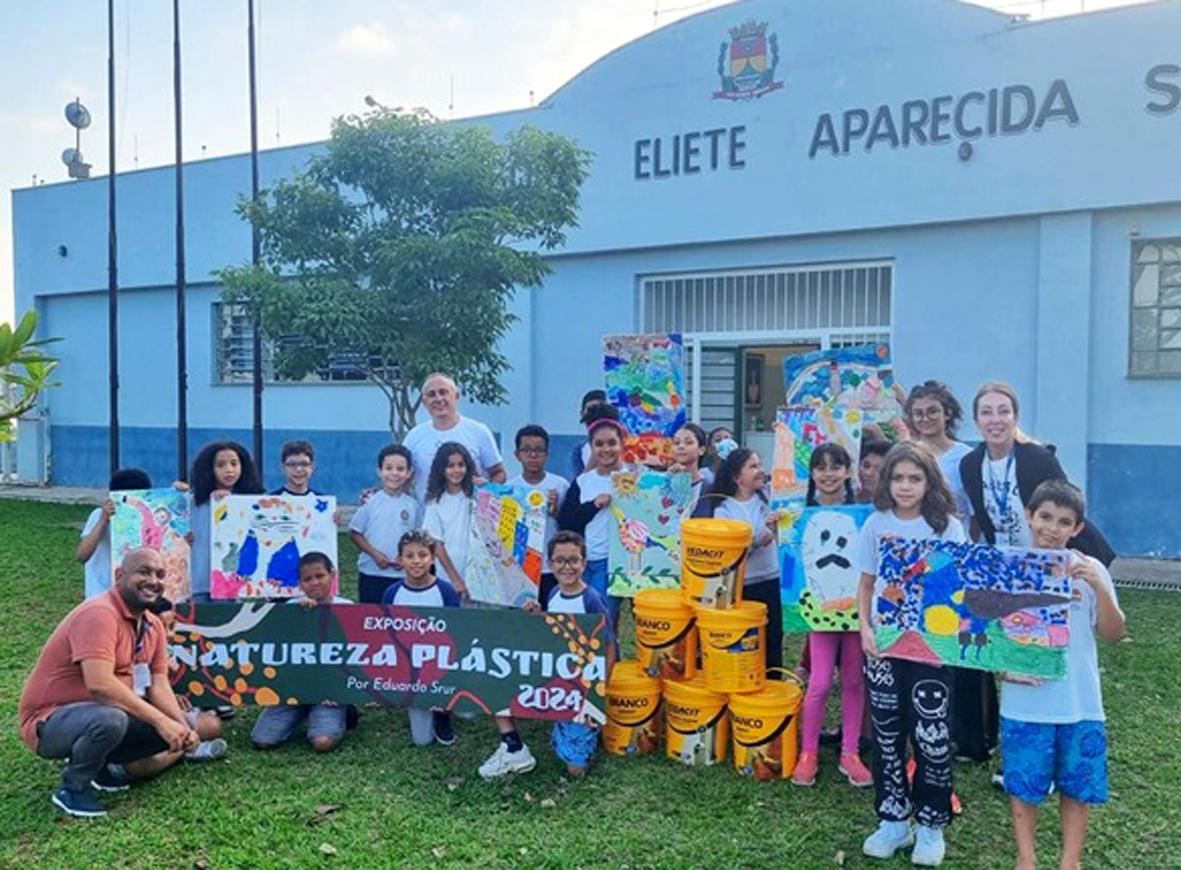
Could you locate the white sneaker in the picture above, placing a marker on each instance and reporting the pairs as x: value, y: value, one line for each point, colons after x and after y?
x: 888, y: 839
x: 502, y: 762
x: 928, y: 847
x: 207, y: 750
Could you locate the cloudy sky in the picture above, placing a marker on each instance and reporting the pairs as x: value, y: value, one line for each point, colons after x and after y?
x: 316, y: 60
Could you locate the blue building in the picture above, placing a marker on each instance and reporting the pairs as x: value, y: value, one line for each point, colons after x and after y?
x: 997, y: 198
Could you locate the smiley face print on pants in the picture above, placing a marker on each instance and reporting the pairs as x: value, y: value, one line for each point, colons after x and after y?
x: 930, y: 699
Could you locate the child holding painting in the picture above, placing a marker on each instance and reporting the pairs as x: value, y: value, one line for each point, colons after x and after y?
x: 908, y: 701
x: 379, y: 523
x: 587, y: 507
x: 1052, y: 732
x: 532, y: 451
x: 420, y: 588
x: 221, y: 468
x: 573, y: 742
x: 690, y: 444
x: 738, y: 492
x: 450, y: 510
x: 830, y: 483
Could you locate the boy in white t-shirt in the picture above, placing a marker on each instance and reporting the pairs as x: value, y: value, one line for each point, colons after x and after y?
x: 532, y: 451
x: 1052, y: 732
x: 380, y: 522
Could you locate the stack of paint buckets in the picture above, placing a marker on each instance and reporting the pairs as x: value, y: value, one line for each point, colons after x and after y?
x: 731, y: 691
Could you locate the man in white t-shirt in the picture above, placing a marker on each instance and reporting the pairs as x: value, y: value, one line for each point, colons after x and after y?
x: 440, y: 395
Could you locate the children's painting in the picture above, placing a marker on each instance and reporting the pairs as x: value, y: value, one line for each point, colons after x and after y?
x: 974, y: 606
x: 510, y: 525
x: 257, y: 542
x: 856, y: 377
x: 819, y: 576
x: 645, y: 380
x: 645, y: 547
x: 156, y: 518
x: 799, y: 431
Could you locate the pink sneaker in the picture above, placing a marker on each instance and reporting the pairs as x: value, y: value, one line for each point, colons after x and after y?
x: 856, y: 772
x: 805, y: 772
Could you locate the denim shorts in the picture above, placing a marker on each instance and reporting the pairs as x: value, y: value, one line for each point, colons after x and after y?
x: 1073, y: 756
x: 276, y: 724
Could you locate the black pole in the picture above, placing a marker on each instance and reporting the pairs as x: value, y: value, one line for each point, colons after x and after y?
x: 112, y: 252
x: 182, y: 370
x: 255, y: 248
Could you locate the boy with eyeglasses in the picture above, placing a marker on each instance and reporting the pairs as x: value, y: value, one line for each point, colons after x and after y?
x: 532, y: 451
x: 298, y: 459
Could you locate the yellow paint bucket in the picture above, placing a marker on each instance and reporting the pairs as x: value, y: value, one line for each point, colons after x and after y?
x: 666, y: 634
x: 633, y: 711
x: 765, y: 726
x: 713, y: 560
x: 732, y: 646
x: 695, y: 720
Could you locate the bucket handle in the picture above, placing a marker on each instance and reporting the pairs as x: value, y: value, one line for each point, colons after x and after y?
x: 790, y: 676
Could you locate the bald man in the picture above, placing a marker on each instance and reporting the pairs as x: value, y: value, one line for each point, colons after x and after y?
x: 441, y: 398
x: 99, y: 694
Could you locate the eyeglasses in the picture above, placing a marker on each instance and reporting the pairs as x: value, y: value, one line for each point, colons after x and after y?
x: 566, y: 561
x: 928, y: 413
x: 297, y: 463
x: 533, y: 451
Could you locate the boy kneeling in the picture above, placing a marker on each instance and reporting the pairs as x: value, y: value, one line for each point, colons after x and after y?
x: 1052, y: 732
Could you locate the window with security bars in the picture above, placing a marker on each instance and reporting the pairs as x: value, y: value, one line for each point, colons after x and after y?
x: 1155, y: 350
x: 852, y: 296
x: 233, y: 328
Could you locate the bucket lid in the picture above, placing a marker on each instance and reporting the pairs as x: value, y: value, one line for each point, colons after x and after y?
x: 775, y: 697
x: 662, y: 599
x: 733, y: 532
x: 629, y: 676
x: 693, y: 690
x: 743, y: 612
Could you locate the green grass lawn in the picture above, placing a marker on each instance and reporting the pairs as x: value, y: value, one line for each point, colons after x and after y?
x: 378, y: 801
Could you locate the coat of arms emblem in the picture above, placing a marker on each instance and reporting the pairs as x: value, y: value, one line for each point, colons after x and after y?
x: 746, y: 64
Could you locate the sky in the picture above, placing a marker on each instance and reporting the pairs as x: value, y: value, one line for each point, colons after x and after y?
x: 315, y: 60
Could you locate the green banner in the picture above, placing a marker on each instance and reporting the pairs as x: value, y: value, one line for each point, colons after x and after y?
x: 491, y: 661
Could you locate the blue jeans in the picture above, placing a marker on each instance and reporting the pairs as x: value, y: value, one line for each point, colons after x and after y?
x: 595, y: 576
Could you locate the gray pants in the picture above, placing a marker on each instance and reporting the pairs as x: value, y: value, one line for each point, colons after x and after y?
x: 422, y: 726
x: 276, y: 724
x: 90, y: 735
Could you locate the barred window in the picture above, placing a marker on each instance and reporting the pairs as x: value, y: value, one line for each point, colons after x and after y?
x: 1155, y: 350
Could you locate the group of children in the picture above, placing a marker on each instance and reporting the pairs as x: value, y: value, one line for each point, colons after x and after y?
x: 416, y: 554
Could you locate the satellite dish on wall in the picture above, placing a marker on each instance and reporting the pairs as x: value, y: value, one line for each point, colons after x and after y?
x: 77, y: 115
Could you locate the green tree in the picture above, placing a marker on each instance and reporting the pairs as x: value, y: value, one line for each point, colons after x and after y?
x: 399, y: 248
x: 25, y: 371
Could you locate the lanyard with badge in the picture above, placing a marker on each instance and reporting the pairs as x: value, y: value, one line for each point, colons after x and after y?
x: 1002, y: 494
x: 141, y: 674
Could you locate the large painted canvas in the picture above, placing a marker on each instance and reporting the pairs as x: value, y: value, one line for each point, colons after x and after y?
x: 257, y: 542
x: 645, y: 547
x: 156, y: 518
x: 819, y: 572
x: 858, y: 377
x: 510, y: 525
x: 645, y: 380
x: 799, y: 431
x: 974, y: 606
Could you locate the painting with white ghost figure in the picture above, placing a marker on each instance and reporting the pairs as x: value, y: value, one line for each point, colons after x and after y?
x: 159, y: 519
x: 257, y: 542
x: 973, y: 606
x: 819, y: 574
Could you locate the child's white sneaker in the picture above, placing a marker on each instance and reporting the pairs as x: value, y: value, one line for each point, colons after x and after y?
x: 928, y: 847
x: 503, y: 762
x: 207, y: 750
x: 888, y: 839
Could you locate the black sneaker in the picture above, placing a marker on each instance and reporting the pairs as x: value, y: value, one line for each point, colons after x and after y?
x: 111, y: 778
x: 80, y: 804
x: 444, y: 732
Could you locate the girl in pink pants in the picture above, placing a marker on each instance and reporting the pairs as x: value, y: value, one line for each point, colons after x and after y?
x: 830, y: 484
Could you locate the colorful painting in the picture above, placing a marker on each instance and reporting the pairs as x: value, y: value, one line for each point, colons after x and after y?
x: 819, y: 573
x: 257, y: 542
x: 645, y: 380
x: 510, y: 525
x: 156, y: 518
x: 471, y: 661
x: 974, y: 606
x: 799, y: 431
x: 858, y: 377
x: 645, y: 549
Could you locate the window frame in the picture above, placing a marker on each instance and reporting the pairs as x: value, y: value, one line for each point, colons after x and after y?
x: 1135, y: 250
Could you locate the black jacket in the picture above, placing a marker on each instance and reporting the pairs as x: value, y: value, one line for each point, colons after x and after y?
x: 1035, y: 464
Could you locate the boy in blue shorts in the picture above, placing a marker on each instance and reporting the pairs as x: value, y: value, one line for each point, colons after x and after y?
x: 573, y: 742
x: 420, y: 588
x: 1052, y: 731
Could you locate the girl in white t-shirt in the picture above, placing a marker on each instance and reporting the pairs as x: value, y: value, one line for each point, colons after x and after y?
x: 908, y: 701
x: 450, y: 511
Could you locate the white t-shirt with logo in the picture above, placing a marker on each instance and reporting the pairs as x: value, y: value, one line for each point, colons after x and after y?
x: 383, y: 519
x: 886, y: 524
x: 1002, y: 501
x: 451, y: 519
x: 550, y: 481
x: 97, y: 570
x: 1078, y: 697
x: 424, y: 440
